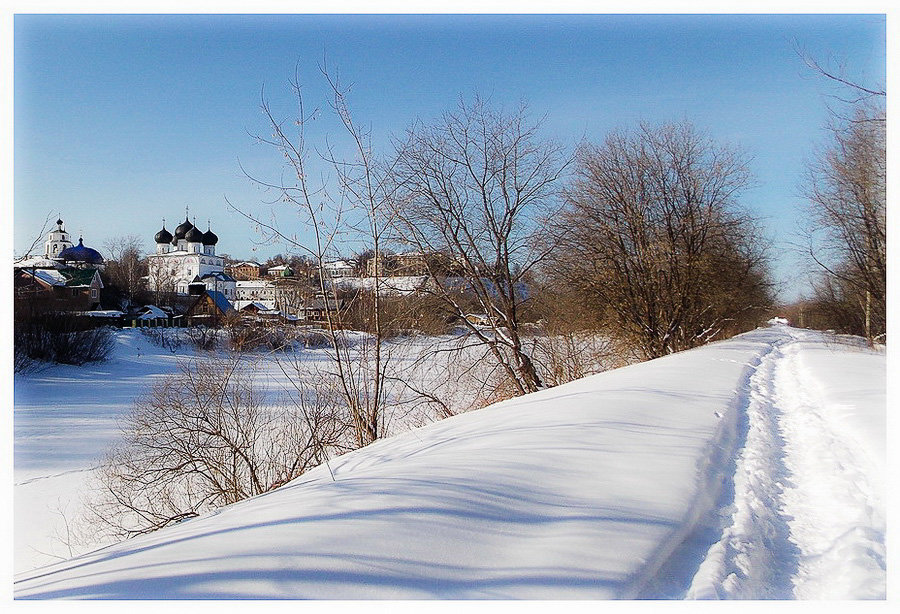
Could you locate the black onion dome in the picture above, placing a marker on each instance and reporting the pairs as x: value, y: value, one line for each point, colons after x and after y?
x: 59, y: 222
x: 194, y: 235
x: 163, y: 236
x: 80, y: 253
x: 210, y: 238
x: 182, y: 229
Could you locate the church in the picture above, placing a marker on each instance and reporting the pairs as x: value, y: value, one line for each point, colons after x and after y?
x: 186, y: 262
x: 65, y: 278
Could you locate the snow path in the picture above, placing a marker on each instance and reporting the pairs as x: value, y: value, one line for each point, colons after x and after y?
x: 805, y: 521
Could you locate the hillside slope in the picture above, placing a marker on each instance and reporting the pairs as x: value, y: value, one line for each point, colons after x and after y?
x: 632, y: 483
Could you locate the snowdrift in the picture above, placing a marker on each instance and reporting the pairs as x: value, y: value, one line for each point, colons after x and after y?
x: 597, y: 489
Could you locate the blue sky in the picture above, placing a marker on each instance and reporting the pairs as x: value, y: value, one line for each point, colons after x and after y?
x: 123, y: 120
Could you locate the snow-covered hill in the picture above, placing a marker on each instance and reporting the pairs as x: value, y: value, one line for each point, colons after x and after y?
x: 751, y: 468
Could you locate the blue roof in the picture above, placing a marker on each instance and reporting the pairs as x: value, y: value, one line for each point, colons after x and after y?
x: 80, y: 253
x: 221, y: 302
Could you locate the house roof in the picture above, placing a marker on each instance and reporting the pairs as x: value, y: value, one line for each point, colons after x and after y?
x: 220, y: 301
x: 219, y: 276
x: 318, y: 303
x: 151, y: 312
x: 37, y: 262
x: 258, y: 306
x: 78, y: 277
x: 51, y: 277
x: 339, y: 264
x: 104, y: 313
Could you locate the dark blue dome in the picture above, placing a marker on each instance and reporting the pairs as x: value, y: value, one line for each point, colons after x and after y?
x: 163, y: 236
x: 210, y: 238
x: 182, y: 229
x: 194, y: 235
x: 80, y: 253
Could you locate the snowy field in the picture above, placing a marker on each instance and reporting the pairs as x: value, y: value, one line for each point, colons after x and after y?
x: 67, y: 417
x: 751, y: 468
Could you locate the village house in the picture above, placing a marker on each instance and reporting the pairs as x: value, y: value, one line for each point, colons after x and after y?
x: 243, y: 271
x: 282, y: 270
x: 68, y: 289
x: 337, y: 269
x: 211, y: 308
x: 65, y: 277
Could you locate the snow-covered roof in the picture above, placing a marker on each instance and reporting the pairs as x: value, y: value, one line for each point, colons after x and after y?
x: 51, y: 276
x: 340, y: 264
x: 219, y: 276
x: 152, y: 312
x: 38, y: 262
x: 256, y: 283
x: 258, y: 305
x: 104, y: 313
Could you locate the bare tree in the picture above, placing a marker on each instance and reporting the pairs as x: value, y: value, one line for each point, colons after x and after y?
x: 358, y: 208
x: 126, y: 267
x: 652, y: 235
x: 858, y: 93
x: 472, y: 188
x: 846, y: 191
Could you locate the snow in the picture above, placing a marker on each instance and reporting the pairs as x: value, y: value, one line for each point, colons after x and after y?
x: 750, y: 468
x: 65, y: 417
x: 400, y: 285
x: 152, y: 312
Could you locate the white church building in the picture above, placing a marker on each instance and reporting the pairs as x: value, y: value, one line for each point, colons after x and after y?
x: 186, y: 262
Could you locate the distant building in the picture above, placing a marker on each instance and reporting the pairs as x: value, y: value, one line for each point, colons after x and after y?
x: 186, y: 263
x: 210, y: 308
x: 65, y: 278
x: 244, y: 271
x: 60, y: 253
x: 337, y: 269
x: 282, y: 270
x: 316, y: 311
x: 282, y: 293
x: 410, y: 264
x: 66, y: 289
x: 57, y: 241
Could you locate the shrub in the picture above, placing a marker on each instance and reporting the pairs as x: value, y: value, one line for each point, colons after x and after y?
x: 58, y: 337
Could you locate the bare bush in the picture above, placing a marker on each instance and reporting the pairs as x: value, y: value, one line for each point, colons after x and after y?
x: 245, y: 335
x: 171, y: 339
x: 400, y: 315
x: 202, y: 337
x: 204, y: 438
x: 568, y: 356
x: 45, y: 337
